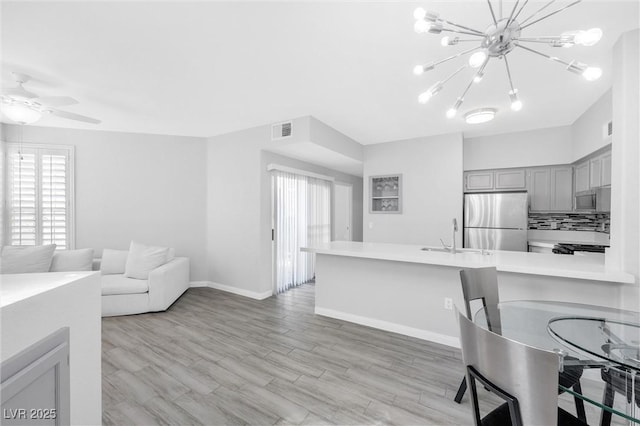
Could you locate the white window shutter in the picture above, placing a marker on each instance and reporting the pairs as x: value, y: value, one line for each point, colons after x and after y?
x: 22, y: 199
x: 39, y: 195
x: 53, y: 188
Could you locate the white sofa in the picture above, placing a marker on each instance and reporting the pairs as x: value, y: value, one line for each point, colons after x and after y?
x: 127, y: 296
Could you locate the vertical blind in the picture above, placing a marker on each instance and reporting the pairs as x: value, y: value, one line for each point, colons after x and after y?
x: 302, y: 218
x: 38, y: 196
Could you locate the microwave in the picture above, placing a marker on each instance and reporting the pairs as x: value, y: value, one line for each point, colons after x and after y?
x: 598, y: 200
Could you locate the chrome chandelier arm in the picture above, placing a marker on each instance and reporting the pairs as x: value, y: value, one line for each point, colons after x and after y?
x: 432, y: 65
x: 519, y: 11
x: 493, y: 15
x: 551, y: 14
x: 453, y: 24
x: 538, y: 11
x: 515, y: 6
x: 544, y: 55
x: 452, y: 30
x: 506, y: 64
x: 453, y: 74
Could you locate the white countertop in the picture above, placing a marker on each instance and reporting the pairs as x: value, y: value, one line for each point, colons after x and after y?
x: 580, y: 267
x: 17, y: 287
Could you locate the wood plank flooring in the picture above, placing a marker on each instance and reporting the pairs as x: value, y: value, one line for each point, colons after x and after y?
x: 215, y: 358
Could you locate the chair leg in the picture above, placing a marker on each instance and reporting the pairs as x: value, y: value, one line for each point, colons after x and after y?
x: 461, y: 390
x: 607, y: 399
x: 579, y: 402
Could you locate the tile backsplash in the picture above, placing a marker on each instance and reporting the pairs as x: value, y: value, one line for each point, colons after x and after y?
x: 595, y: 222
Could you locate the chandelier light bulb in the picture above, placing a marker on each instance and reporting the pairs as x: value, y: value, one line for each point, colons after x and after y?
x: 451, y: 112
x: 589, y: 37
x: 421, y: 26
x: 477, y: 59
x: 419, y: 13
x: 478, y: 77
x: 516, y: 104
x: 430, y: 93
x: 418, y: 70
x: 592, y: 73
x: 445, y: 41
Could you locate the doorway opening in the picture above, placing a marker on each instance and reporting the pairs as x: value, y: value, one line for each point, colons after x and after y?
x: 301, y: 217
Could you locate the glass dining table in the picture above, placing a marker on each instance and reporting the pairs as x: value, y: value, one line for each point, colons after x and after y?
x: 604, y: 341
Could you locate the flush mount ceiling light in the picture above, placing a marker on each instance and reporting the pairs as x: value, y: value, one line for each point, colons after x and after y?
x: 481, y: 115
x: 502, y: 36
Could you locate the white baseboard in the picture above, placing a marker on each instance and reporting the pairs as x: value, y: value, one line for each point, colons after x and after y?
x: 234, y: 290
x: 390, y: 326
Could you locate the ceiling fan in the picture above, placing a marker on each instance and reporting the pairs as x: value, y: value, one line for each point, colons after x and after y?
x: 25, y: 107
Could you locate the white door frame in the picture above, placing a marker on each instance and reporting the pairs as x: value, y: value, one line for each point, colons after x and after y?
x: 350, y: 205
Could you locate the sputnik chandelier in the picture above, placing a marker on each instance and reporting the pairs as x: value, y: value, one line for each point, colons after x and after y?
x: 501, y: 37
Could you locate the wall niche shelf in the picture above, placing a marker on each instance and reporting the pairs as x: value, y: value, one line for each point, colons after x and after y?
x: 385, y: 194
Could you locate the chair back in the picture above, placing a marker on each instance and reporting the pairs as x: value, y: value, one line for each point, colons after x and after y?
x: 482, y: 283
x: 528, y: 374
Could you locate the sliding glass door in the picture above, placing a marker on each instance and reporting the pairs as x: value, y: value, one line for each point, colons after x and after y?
x: 302, y: 217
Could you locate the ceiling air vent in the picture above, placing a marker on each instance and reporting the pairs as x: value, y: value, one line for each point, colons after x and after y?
x: 281, y: 130
x: 607, y: 130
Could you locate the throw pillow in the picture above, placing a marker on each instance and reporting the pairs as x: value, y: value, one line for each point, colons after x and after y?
x: 143, y: 259
x: 113, y: 261
x: 72, y: 260
x: 26, y: 259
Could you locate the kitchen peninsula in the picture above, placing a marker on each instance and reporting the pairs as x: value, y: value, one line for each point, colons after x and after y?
x: 404, y: 289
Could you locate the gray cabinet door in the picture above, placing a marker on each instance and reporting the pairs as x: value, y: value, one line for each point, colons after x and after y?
x: 539, y: 189
x: 510, y: 179
x: 582, y: 177
x: 561, y: 189
x: 479, y: 181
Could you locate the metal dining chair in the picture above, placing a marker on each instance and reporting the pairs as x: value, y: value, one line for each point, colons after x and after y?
x: 617, y: 381
x: 482, y: 284
x: 526, y: 378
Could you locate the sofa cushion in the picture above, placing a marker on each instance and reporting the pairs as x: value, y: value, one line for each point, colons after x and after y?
x: 143, y: 259
x: 119, y: 284
x: 72, y: 260
x: 113, y: 261
x: 26, y: 259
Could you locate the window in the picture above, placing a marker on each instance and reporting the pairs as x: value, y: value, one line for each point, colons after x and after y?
x: 39, y: 195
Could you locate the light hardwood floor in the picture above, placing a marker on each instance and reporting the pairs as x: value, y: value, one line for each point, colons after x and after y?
x: 216, y: 358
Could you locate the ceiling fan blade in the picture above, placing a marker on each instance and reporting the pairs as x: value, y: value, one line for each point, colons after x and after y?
x: 73, y: 116
x: 18, y: 92
x: 56, y: 101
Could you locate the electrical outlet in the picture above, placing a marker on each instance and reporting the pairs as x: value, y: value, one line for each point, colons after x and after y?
x: 448, y: 303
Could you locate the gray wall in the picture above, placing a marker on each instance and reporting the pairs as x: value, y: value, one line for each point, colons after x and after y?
x: 431, y: 169
x: 128, y: 186
x: 239, y: 204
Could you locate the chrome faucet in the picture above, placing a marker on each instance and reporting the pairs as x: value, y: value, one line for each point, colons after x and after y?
x: 454, y: 229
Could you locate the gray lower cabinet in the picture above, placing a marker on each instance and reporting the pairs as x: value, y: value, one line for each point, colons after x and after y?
x: 550, y: 189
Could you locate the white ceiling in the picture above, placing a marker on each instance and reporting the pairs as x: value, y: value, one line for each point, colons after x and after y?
x: 207, y: 68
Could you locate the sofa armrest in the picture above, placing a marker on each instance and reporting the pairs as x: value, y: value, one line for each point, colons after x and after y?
x: 167, y: 283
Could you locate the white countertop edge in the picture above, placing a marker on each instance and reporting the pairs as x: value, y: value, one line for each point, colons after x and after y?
x: 466, y: 260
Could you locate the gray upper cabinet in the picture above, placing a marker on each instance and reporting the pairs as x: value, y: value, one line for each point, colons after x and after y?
x: 582, y: 182
x: 539, y: 189
x: 510, y: 179
x: 605, y: 169
x: 600, y: 169
x: 594, y: 171
x: 550, y: 189
x: 495, y: 180
x: 561, y: 198
x: 478, y: 181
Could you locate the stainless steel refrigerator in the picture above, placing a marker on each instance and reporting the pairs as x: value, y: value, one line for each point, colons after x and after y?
x: 496, y: 221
